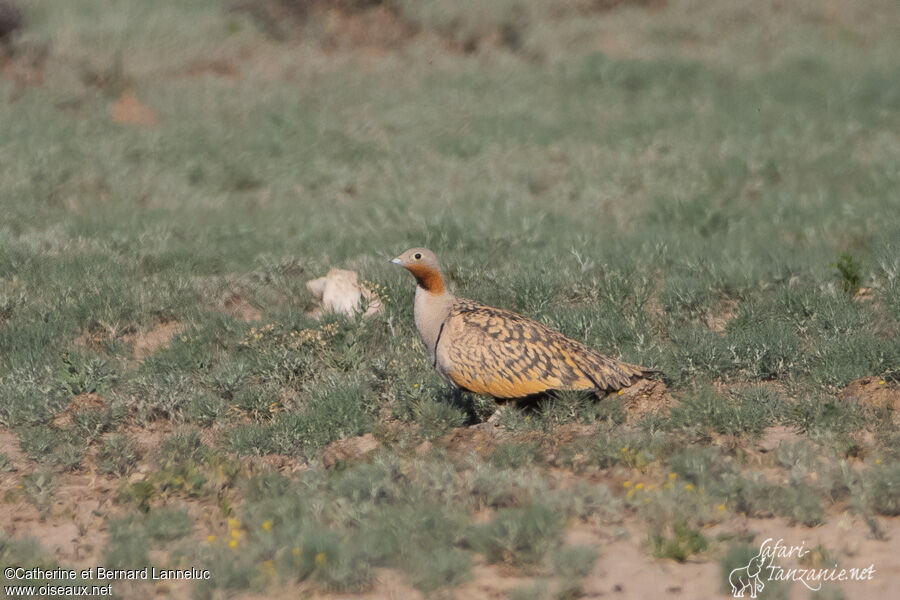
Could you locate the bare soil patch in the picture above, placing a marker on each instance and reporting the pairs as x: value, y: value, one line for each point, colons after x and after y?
x: 73, y: 528
x: 79, y: 403
x: 464, y: 441
x: 149, y: 437
x: 9, y: 445
x: 646, y: 397
x: 873, y: 392
x: 128, y: 110
x: 349, y: 450
x: 775, y: 436
x: 718, y: 317
x: 147, y: 343
x: 24, y: 68
x: 237, y: 305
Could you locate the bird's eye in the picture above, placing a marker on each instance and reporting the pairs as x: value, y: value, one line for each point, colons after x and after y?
x: 418, y: 255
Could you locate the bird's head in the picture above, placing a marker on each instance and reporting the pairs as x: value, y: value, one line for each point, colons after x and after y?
x: 424, y: 266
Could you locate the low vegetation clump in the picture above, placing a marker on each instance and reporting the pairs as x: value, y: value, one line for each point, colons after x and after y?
x: 683, y: 543
x: 521, y: 536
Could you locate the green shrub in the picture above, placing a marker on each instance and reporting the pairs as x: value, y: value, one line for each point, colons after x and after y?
x: 574, y: 562
x: 84, y: 374
x: 881, y: 488
x: 436, y: 418
x: 705, y: 410
x: 521, y: 536
x: 849, y: 271
x: 820, y: 415
x: 25, y: 553
x: 90, y: 424
x: 51, y: 446
x: 696, y: 352
x: 702, y: 466
x: 184, y: 446
x: 421, y: 539
x: 128, y: 545
x: 40, y: 488
x: 30, y: 397
x: 684, y: 543
x: 763, y: 350
x: 515, y: 456
x: 39, y: 441
x: 117, y: 455
x: 437, y: 568
x: 167, y: 524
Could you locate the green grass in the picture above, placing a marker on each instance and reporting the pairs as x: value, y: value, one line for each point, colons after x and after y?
x: 522, y: 536
x: 683, y: 544
x: 703, y: 189
x: 117, y: 455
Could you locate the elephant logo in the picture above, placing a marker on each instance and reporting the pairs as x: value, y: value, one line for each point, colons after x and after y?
x: 748, y: 578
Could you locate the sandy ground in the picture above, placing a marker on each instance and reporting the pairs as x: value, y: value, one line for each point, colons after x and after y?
x: 74, y: 531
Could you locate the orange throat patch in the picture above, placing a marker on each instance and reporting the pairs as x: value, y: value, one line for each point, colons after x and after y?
x: 430, y: 279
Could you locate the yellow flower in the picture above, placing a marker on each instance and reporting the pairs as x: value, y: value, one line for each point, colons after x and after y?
x: 689, y: 487
x: 882, y: 382
x: 415, y: 385
x: 877, y: 461
x: 321, y: 558
x: 234, y: 524
x: 629, y: 494
x: 236, y: 534
x: 297, y: 551
x: 267, y: 525
x: 210, y: 538
x: 721, y: 507
x: 673, y: 476
x: 627, y: 484
x: 233, y: 544
x: 639, y: 486
x: 620, y: 392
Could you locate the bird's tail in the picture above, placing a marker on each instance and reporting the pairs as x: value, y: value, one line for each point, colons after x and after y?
x: 636, y: 370
x: 610, y: 375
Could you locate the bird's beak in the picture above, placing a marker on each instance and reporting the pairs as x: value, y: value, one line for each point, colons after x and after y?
x: 397, y: 261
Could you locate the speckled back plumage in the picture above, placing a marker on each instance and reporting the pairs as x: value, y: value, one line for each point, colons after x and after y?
x: 499, y: 353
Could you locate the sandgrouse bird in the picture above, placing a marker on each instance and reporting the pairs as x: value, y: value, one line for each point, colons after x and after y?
x: 495, y: 352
